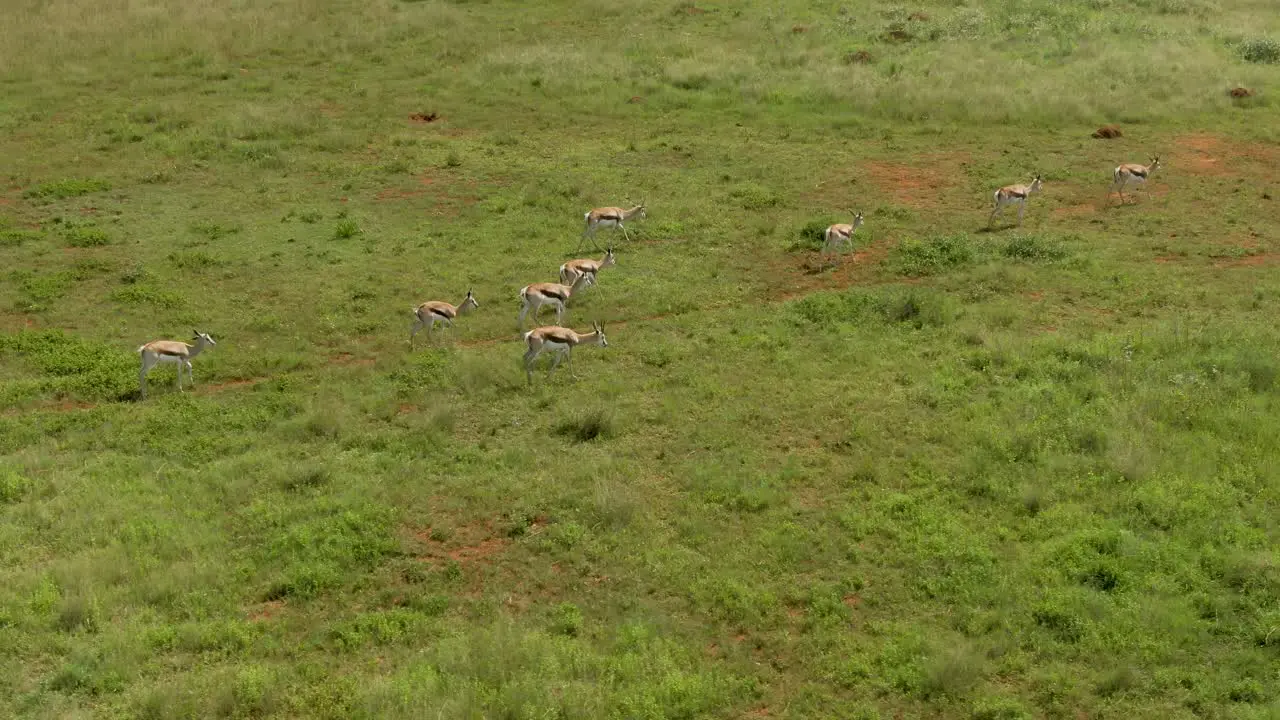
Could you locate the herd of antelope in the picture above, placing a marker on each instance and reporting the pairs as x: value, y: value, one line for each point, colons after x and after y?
x: 577, y: 275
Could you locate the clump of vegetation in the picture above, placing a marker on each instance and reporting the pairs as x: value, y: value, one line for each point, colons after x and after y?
x: 86, y: 236
x: 930, y: 256
x: 587, y: 425
x: 1032, y: 247
x: 346, y: 229
x: 61, y: 189
x: 1260, y: 50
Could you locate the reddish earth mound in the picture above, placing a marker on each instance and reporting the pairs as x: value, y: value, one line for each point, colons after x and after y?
x: 1107, y: 132
x: 424, y: 117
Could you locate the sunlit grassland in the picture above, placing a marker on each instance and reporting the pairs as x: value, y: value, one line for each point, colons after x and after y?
x: 972, y: 472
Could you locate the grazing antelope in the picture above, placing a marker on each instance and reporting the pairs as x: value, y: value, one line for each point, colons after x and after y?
x: 1014, y: 195
x: 171, y: 351
x: 533, y: 297
x: 435, y: 311
x: 1131, y: 173
x: 560, y: 341
x: 836, y: 235
x: 609, y: 217
x: 572, y: 269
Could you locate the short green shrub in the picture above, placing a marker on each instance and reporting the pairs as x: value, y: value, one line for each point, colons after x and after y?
x: 14, y: 238
x: 12, y: 486
x: 87, y: 237
x: 586, y: 426
x: 60, y: 189
x: 145, y: 295
x: 1032, y: 247
x: 933, y: 255
x: 1260, y: 50
x: 346, y: 229
x: 755, y: 197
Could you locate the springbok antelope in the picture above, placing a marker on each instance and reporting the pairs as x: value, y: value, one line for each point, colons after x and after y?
x: 1014, y: 195
x: 1131, y: 173
x: 436, y: 311
x: 561, y: 341
x: 533, y: 297
x: 609, y: 217
x: 171, y: 351
x: 572, y: 269
x: 836, y: 235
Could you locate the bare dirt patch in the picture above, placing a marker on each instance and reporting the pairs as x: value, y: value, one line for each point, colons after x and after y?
x: 266, y: 611
x: 1107, y: 132
x: 918, y: 185
x: 1075, y: 210
x: 1200, y: 154
x: 1240, y: 92
x: 476, y: 543
x: 346, y: 359
x: 427, y: 117
x: 1249, y: 261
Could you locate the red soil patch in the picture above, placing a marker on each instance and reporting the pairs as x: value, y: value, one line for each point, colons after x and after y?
x: 471, y: 544
x: 1107, y: 132
x: 347, y: 359
x: 266, y: 611
x: 1248, y: 261
x: 10, y: 320
x: 397, y: 194
x: 787, y: 280
x: 919, y: 185
x: 1075, y: 210
x: 219, y: 387
x: 852, y: 600
x: 440, y: 190
x: 1203, y: 150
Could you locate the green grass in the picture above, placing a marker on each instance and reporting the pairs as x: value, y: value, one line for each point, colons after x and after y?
x: 1014, y: 473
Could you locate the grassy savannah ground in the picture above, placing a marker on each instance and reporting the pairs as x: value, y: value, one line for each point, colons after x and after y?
x: 1022, y: 473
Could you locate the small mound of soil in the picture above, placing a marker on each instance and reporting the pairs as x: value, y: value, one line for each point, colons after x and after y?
x: 918, y: 16
x: 1107, y: 132
x: 861, y: 57
x: 1241, y: 92
x: 424, y: 117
